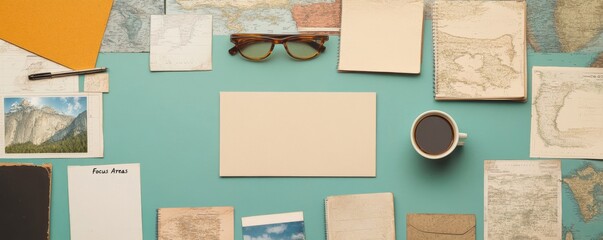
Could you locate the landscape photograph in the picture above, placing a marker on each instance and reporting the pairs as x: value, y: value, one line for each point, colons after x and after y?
x: 277, y: 231
x: 45, y: 125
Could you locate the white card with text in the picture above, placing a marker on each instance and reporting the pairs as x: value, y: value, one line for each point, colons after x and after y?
x: 104, y: 202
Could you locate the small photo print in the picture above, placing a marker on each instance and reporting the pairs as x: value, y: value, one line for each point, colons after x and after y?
x: 45, y: 125
x: 285, y: 226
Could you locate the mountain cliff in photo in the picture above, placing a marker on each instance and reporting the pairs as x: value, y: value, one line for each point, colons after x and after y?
x: 77, y: 126
x: 28, y: 123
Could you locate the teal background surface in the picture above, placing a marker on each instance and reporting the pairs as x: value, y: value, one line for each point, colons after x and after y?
x: 169, y: 123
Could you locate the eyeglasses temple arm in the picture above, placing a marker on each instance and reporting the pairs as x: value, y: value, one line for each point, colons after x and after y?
x: 317, y: 46
x: 233, y: 51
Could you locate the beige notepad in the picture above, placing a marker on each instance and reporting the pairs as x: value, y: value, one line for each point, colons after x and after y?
x: 360, y: 217
x: 215, y: 223
x: 381, y: 36
x: 480, y: 50
x: 297, y: 134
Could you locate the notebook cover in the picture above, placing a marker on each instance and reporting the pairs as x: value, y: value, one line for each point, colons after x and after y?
x: 360, y: 216
x: 68, y: 32
x: 381, y: 36
x: 480, y: 50
x: 25, y: 201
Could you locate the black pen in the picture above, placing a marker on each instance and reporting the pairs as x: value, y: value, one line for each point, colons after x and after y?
x: 46, y: 75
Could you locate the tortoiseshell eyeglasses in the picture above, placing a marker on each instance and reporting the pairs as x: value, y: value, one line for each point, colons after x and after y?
x: 257, y: 47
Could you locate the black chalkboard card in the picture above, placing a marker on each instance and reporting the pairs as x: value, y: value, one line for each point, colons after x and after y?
x: 24, y: 201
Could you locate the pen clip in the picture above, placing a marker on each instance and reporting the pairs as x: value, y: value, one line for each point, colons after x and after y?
x: 38, y: 76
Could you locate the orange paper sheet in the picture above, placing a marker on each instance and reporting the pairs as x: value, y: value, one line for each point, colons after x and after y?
x: 68, y: 32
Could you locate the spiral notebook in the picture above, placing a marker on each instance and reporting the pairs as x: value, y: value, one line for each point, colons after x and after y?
x: 360, y: 216
x: 480, y: 50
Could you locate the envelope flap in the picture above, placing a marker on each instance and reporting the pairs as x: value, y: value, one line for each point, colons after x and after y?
x: 456, y: 224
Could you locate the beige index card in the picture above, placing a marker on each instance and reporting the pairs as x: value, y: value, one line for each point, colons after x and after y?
x: 98, y: 82
x: 308, y: 134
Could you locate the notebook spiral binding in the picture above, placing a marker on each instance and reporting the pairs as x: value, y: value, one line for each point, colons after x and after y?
x: 434, y: 33
x: 157, y: 223
x: 326, y: 219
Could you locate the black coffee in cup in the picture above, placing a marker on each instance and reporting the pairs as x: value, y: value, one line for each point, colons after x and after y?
x: 434, y: 135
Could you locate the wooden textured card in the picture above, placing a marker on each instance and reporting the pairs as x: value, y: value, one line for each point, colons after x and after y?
x: 360, y: 217
x: 25, y: 201
x: 480, y: 50
x: 381, y: 36
x: 216, y: 223
x: 297, y: 134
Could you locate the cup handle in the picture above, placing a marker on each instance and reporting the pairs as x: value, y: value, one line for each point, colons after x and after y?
x: 462, y: 136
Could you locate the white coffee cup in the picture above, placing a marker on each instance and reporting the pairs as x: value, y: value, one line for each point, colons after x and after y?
x: 437, y: 132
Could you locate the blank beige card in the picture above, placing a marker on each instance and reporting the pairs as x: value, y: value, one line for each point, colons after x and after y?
x: 381, y: 36
x: 306, y: 134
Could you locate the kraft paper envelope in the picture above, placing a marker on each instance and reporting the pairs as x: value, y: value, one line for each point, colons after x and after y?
x: 297, y: 134
x: 68, y: 32
x: 440, y: 226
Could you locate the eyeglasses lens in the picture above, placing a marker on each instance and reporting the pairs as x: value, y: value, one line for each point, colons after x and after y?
x: 255, y: 50
x: 303, y: 49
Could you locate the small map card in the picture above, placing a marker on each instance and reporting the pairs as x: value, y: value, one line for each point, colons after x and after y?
x: 181, y: 42
x: 216, y: 223
x: 567, y: 117
x: 479, y: 50
x: 522, y: 199
x: 98, y: 82
x: 285, y: 226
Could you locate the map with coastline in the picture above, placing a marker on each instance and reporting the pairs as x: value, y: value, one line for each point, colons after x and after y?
x: 522, y: 199
x: 560, y: 25
x: 16, y: 64
x: 582, y: 200
x: 567, y: 118
x: 129, y: 25
x: 261, y: 16
x: 476, y: 55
